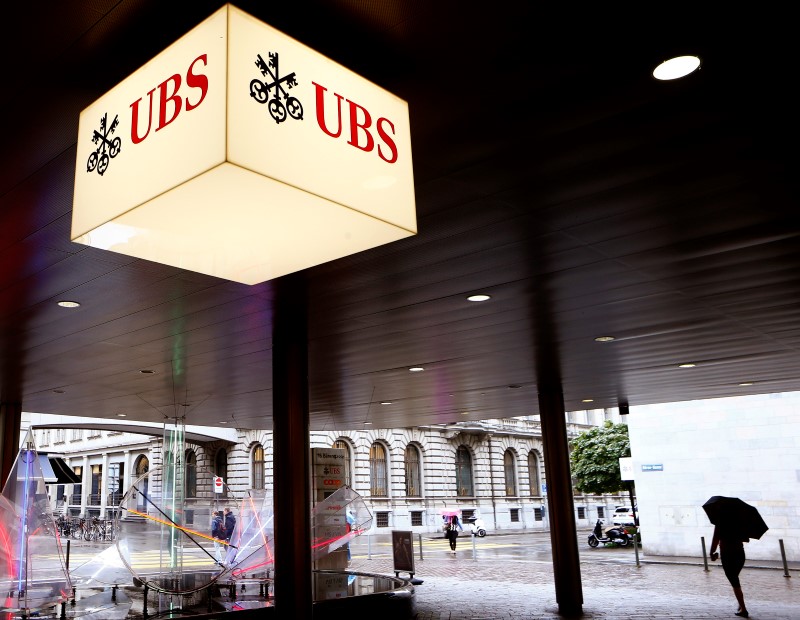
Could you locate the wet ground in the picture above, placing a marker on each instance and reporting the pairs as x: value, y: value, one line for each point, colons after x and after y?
x: 502, y: 576
x: 510, y: 577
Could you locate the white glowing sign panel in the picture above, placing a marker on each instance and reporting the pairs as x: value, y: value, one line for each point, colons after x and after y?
x: 240, y: 153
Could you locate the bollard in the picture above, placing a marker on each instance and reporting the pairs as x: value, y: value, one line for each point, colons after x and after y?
x: 420, y: 547
x: 783, y: 557
x: 705, y: 557
x: 636, y: 544
x: 474, y: 553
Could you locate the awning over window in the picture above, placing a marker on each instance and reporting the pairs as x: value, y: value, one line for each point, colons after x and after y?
x: 56, y: 470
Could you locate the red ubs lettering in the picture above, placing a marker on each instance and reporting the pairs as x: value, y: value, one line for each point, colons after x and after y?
x: 359, y: 123
x: 170, y: 103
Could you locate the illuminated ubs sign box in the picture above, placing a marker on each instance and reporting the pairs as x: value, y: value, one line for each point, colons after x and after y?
x: 240, y: 153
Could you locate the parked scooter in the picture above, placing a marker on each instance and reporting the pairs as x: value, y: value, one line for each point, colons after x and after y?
x: 476, y: 526
x: 617, y: 535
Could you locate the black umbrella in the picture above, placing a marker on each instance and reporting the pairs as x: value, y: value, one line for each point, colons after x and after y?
x: 735, y: 518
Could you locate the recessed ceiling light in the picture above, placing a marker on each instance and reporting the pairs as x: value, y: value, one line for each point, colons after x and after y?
x: 416, y: 369
x: 688, y: 365
x: 386, y: 402
x: 365, y: 423
x: 69, y: 304
x: 675, y: 68
x: 122, y: 415
x: 465, y: 413
x: 480, y: 297
x: 746, y: 383
x: 58, y: 391
x: 223, y: 421
x: 147, y: 371
x: 514, y: 386
x: 604, y: 339
x: 588, y: 400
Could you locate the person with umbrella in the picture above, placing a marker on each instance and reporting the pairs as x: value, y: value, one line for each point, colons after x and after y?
x: 735, y: 523
x: 451, y: 527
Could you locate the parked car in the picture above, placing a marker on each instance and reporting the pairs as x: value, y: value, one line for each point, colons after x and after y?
x: 623, y: 515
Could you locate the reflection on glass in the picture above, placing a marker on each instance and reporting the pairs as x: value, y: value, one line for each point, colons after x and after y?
x: 32, y: 569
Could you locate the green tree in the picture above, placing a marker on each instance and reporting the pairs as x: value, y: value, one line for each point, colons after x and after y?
x: 594, y: 460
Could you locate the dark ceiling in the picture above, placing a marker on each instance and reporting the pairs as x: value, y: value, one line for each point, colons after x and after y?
x: 552, y: 172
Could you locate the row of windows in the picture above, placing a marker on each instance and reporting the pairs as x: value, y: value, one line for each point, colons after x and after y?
x: 59, y: 435
x: 382, y: 518
x: 379, y: 471
x: 115, y: 479
x: 220, y: 469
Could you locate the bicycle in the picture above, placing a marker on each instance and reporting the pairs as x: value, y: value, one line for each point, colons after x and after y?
x: 64, y: 526
x: 78, y: 528
x: 95, y: 530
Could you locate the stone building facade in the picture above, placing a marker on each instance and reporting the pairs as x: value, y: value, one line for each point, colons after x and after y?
x: 493, y: 469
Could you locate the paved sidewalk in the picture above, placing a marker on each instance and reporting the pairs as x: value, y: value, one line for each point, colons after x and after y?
x: 460, y: 588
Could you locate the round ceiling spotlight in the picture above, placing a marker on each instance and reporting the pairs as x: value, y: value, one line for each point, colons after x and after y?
x: 588, y: 400
x: 386, y: 402
x: 58, y: 391
x: 687, y: 365
x: 122, y: 415
x: 65, y: 303
x: 514, y: 386
x: 604, y: 338
x: 147, y: 371
x: 416, y: 369
x: 479, y: 297
x: 677, y: 67
x: 746, y: 383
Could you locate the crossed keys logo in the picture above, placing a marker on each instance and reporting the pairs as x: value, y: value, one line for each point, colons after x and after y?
x: 106, y: 148
x: 261, y: 91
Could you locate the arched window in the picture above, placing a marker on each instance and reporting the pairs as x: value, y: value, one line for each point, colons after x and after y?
x: 413, y: 478
x: 142, y: 483
x: 221, y: 469
x: 258, y: 467
x: 533, y: 474
x: 341, y: 444
x: 142, y: 466
x: 378, y: 472
x: 510, y: 472
x: 190, y: 475
x: 464, y: 472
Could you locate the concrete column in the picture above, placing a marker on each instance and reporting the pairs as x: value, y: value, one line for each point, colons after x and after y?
x: 104, y: 486
x: 10, y: 420
x: 127, y: 478
x: 291, y: 453
x: 86, y: 486
x: 563, y: 533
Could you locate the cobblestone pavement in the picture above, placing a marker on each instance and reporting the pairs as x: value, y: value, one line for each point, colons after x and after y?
x: 460, y: 588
